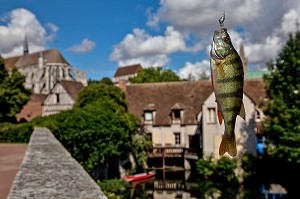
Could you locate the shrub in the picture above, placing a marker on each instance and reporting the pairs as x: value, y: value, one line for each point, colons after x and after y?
x: 15, y: 133
x: 113, y: 188
x: 205, y: 167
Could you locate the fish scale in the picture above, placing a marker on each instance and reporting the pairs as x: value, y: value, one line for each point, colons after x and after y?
x: 227, y: 80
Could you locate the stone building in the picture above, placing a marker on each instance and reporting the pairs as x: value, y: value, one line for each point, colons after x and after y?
x: 184, y: 115
x: 123, y: 73
x: 61, y: 97
x: 44, y: 71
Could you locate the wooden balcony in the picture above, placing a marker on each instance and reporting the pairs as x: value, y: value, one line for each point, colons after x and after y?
x: 178, y: 152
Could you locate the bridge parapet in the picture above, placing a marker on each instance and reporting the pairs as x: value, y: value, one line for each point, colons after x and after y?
x: 49, y: 171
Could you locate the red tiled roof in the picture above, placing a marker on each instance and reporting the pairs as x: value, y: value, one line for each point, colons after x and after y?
x: 72, y: 87
x: 256, y: 90
x: 38, y: 97
x: 128, y: 70
x: 50, y: 56
x: 188, y: 96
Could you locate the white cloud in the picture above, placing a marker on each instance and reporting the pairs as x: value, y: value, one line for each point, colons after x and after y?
x: 16, y: 24
x: 262, y: 25
x: 20, y: 22
x: 53, y: 31
x: 151, y: 50
x: 146, y: 61
x: 194, y: 69
x: 85, y: 46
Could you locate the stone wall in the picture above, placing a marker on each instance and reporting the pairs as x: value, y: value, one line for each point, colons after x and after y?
x: 49, y: 171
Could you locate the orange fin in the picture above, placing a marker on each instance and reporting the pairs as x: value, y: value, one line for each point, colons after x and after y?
x: 242, y: 112
x: 220, y: 118
x: 228, y: 145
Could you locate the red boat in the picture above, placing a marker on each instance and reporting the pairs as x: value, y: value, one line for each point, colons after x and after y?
x: 140, y: 176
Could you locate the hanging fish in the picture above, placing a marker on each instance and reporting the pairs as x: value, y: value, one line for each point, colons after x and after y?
x: 228, y: 80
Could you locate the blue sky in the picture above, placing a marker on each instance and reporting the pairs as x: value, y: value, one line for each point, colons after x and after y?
x: 98, y: 36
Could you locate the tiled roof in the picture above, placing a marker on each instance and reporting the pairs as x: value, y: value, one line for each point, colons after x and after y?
x: 50, y: 56
x: 256, y: 90
x: 72, y: 87
x: 186, y: 96
x: 38, y: 97
x: 128, y: 70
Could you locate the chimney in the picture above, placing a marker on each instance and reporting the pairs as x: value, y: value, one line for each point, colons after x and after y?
x: 122, y: 85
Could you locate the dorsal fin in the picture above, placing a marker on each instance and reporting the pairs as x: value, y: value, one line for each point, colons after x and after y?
x: 242, y: 113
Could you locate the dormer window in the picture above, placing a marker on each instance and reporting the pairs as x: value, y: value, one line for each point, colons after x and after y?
x: 148, y: 116
x: 149, y: 113
x: 176, y: 114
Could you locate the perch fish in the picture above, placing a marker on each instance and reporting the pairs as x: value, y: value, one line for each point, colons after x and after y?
x: 227, y: 77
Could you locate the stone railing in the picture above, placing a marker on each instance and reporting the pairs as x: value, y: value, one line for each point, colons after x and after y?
x: 49, y: 171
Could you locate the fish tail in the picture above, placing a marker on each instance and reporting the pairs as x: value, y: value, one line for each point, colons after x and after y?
x: 228, y: 144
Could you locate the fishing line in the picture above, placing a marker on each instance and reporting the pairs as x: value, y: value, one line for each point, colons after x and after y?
x: 222, y: 19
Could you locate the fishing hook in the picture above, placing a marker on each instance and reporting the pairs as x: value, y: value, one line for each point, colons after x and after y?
x: 222, y: 19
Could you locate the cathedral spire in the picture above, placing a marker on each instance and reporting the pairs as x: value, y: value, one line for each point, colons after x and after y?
x: 243, y: 57
x: 25, y: 45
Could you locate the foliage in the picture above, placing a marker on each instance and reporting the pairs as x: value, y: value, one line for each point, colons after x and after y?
x: 222, y: 169
x: 113, y: 188
x: 104, y: 80
x: 282, y: 127
x: 249, y: 165
x: 154, y: 74
x: 98, y: 130
x: 205, y: 167
x: 15, y: 133
x: 139, y: 143
x: 198, y: 76
x: 92, y: 134
x: 13, y: 95
x: 225, y: 169
x: 98, y: 92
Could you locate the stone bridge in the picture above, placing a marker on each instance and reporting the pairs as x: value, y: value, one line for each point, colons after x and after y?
x: 49, y: 171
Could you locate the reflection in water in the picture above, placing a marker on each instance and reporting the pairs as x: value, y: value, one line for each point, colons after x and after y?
x: 184, y: 185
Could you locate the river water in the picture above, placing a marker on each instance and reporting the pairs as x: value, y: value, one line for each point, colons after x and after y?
x: 184, y: 185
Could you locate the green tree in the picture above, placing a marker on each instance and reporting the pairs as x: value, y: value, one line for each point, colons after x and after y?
x: 282, y: 127
x: 13, y: 95
x: 154, y: 74
x: 98, y: 131
x: 98, y: 92
x: 104, y: 80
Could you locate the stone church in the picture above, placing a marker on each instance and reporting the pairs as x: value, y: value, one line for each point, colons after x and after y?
x: 43, y: 71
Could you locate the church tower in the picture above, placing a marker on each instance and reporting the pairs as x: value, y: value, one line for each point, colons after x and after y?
x: 25, y: 46
x: 244, y: 58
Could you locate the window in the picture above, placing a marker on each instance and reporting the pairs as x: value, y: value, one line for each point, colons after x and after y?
x: 57, y: 98
x: 211, y: 115
x: 177, y: 138
x: 258, y: 117
x: 148, y: 116
x: 176, y: 114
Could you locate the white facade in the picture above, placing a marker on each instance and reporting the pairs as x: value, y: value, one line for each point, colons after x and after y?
x: 58, y: 100
x: 213, y: 131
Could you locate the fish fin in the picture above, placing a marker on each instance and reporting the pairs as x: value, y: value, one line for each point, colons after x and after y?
x: 228, y: 145
x: 242, y: 113
x: 212, y: 80
x: 220, y: 118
